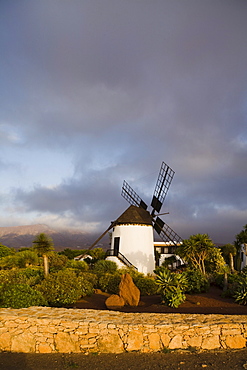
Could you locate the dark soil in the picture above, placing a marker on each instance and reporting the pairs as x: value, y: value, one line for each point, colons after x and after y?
x: 174, y: 360
x: 211, y: 302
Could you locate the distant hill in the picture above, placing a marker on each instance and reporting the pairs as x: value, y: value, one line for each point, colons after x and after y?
x: 23, y: 236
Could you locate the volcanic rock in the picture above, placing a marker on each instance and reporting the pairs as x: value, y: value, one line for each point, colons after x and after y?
x: 114, y: 302
x: 129, y: 291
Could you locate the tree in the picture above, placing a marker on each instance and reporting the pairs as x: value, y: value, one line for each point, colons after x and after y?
x: 241, y: 238
x: 215, y: 261
x: 229, y: 251
x: 97, y: 254
x: 169, y: 261
x: 196, y: 250
x: 71, y: 253
x: 44, y: 244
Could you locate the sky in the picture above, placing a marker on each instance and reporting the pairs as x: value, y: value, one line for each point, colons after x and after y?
x: 94, y: 92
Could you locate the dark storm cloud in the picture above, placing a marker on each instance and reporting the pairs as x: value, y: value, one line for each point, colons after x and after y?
x: 121, y: 86
x: 86, y: 198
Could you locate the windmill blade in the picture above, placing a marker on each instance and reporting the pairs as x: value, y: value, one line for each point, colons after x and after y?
x: 132, y: 197
x: 166, y: 233
x: 163, y: 183
x: 103, y: 234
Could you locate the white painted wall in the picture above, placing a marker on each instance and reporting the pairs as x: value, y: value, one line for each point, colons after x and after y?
x: 137, y: 245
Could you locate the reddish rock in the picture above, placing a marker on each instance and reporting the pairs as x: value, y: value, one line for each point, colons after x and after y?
x: 129, y: 291
x: 114, y: 301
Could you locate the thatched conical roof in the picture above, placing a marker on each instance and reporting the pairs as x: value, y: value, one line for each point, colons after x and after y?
x: 134, y: 216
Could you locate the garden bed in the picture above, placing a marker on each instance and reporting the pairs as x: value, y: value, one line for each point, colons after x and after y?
x: 204, y: 303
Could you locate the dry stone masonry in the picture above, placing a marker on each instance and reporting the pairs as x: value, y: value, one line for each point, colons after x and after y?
x: 48, y: 330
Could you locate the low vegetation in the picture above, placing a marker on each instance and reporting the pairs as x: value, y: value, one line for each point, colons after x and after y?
x: 172, y: 287
x: 20, y: 295
x: 39, y: 276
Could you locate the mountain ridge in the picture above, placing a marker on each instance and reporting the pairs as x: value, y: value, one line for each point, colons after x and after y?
x: 23, y: 236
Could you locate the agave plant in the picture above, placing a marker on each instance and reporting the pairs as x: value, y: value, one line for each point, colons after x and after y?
x: 173, y: 298
x: 164, y: 278
x: 241, y: 293
x: 172, y: 287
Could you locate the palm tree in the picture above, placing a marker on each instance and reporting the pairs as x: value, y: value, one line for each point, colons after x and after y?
x: 196, y: 250
x: 44, y: 244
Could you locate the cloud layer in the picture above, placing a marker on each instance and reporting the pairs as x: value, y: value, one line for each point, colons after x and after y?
x: 94, y: 92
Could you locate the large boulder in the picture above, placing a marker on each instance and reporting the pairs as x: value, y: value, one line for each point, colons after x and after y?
x: 129, y: 291
x: 114, y: 302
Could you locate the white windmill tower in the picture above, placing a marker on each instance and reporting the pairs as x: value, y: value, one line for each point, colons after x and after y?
x: 132, y: 240
x: 132, y: 237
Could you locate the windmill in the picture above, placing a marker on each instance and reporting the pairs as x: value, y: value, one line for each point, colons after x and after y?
x: 132, y: 237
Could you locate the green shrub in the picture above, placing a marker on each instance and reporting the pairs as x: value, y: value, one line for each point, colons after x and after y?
x: 9, y: 262
x: 92, y: 278
x: 197, y: 282
x: 132, y: 272
x: 159, y: 269
x: 232, y: 283
x: 10, y: 277
x: 78, y: 265
x: 218, y: 280
x: 56, y: 262
x: 86, y: 286
x: 105, y: 266
x: 6, y: 251
x: 109, y: 283
x: 146, y: 285
x: 27, y: 258
x: 97, y: 254
x: 30, y: 276
x: 19, y: 296
x: 61, y: 288
x: 240, y: 294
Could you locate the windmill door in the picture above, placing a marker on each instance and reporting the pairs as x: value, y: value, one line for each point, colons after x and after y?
x: 116, y: 245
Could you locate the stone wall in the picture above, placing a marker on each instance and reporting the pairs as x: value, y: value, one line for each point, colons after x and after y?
x: 47, y: 330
